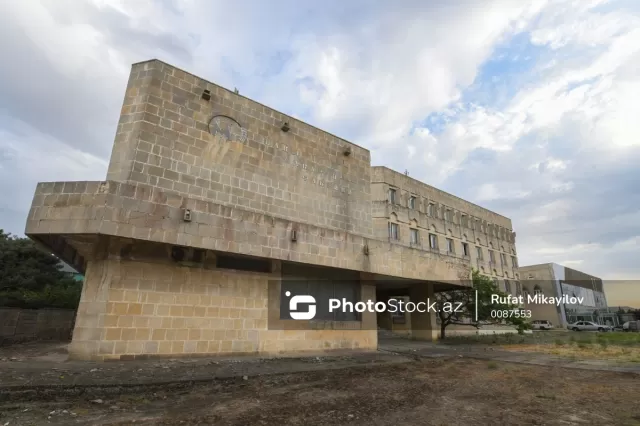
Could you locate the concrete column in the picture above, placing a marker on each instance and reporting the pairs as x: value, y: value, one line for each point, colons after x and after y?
x: 423, y: 324
x: 369, y: 319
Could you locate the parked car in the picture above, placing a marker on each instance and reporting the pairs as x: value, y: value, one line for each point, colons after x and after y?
x: 622, y: 327
x: 541, y: 325
x: 588, y: 326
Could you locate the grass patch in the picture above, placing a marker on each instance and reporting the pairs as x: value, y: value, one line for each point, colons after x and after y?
x: 560, y: 342
x: 492, y: 365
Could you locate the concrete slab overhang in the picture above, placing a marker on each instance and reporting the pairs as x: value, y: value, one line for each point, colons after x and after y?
x: 67, y: 217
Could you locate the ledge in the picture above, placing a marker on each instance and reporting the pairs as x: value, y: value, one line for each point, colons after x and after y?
x: 149, y: 213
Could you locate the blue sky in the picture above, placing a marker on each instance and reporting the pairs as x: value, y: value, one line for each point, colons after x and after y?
x: 527, y: 108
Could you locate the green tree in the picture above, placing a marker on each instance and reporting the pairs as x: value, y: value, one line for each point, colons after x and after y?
x: 32, y: 278
x: 459, y: 306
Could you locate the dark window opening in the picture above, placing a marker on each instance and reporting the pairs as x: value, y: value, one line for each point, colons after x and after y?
x: 243, y: 263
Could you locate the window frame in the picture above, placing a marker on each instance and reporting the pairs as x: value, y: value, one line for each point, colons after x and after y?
x: 394, y: 226
x: 414, y: 232
x: 433, y: 241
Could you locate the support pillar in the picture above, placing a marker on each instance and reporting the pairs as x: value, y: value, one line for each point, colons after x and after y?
x: 423, y: 324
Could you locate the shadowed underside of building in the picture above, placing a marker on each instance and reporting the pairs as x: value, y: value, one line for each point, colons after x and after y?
x: 213, y: 204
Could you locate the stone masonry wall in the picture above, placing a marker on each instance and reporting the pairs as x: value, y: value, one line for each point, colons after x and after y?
x: 153, y: 214
x: 165, y: 139
x: 23, y: 325
x: 143, y: 309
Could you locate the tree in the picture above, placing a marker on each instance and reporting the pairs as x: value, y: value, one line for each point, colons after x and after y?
x: 32, y: 278
x: 459, y: 306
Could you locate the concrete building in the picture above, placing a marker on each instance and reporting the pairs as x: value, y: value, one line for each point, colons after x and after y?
x: 553, y: 280
x: 216, y: 208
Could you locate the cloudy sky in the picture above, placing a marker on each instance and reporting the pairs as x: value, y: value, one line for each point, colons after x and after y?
x: 530, y: 109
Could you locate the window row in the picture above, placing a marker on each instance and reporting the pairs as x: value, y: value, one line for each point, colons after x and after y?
x: 414, y: 239
x: 449, y: 215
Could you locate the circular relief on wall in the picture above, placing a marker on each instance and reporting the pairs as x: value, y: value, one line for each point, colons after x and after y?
x: 227, y: 129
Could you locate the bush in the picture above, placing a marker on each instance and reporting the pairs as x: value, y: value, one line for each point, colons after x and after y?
x: 559, y: 342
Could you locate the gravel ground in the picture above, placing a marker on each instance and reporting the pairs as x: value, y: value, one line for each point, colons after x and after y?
x: 452, y: 391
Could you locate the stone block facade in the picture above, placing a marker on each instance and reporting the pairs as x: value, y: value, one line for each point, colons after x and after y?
x: 199, y: 173
x: 132, y: 309
x: 460, y: 229
x: 24, y: 325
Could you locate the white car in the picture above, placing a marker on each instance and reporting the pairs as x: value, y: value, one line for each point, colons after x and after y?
x: 588, y: 326
x: 541, y: 325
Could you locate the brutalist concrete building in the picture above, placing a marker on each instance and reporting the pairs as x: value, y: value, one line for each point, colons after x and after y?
x: 213, y: 203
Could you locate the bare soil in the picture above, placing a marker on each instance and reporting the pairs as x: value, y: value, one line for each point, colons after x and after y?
x: 452, y: 391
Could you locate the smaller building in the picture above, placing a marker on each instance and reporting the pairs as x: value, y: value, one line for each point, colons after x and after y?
x: 579, y: 296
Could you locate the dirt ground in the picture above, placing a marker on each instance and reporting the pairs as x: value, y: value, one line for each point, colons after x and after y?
x: 452, y: 391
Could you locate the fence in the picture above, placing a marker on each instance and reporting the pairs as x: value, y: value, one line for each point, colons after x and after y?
x: 23, y: 325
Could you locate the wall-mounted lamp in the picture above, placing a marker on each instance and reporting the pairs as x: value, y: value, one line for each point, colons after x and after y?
x: 294, y: 235
x: 365, y: 250
x: 285, y: 127
x: 206, y: 95
x: 347, y: 151
x: 187, y: 215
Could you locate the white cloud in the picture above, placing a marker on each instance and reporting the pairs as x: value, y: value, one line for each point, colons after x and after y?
x: 528, y: 137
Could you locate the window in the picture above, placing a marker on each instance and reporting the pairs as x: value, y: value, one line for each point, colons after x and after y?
x: 242, y: 263
x: 433, y: 241
x: 503, y: 259
x: 514, y: 261
x: 450, y: 246
x: 518, y: 288
x: 412, y: 202
x: 414, y: 236
x: 537, y: 290
x: 492, y: 256
x: 447, y: 215
x: 465, y: 249
x: 430, y: 210
x: 507, y: 286
x: 479, y: 253
x: 495, y: 282
x: 392, y: 196
x: 393, y: 231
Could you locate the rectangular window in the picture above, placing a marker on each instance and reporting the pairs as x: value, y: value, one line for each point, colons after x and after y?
x: 465, y: 249
x: 503, y: 259
x: 492, y: 256
x: 392, y: 196
x: 479, y: 253
x: 450, y: 246
x: 433, y: 241
x: 393, y: 231
x: 242, y: 263
x: 495, y: 282
x: 447, y: 215
x: 518, y: 288
x: 430, y: 210
x: 514, y: 261
x: 412, y: 202
x: 414, y: 236
x: 507, y: 286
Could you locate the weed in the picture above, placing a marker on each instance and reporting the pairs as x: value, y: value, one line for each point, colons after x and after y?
x: 492, y: 365
x: 559, y: 342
